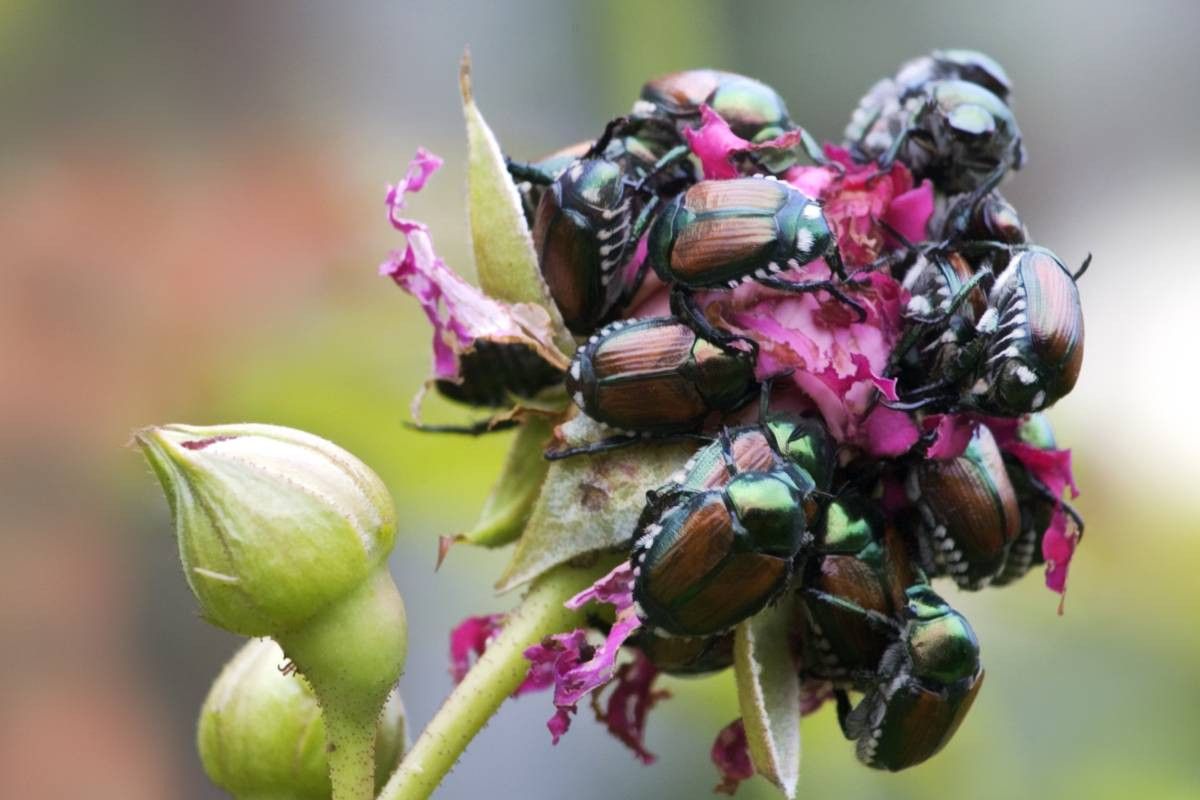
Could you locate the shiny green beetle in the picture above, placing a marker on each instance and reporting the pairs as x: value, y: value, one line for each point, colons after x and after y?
x: 1034, y: 338
x: 590, y: 214
x: 967, y: 513
x: 706, y: 560
x: 655, y: 377
x: 722, y: 538
x: 925, y: 684
x: 720, y: 234
x: 956, y: 133
x: 753, y: 109
x: 850, y: 596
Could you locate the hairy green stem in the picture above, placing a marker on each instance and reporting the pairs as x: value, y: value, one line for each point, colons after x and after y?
x: 495, y: 677
x: 351, y: 654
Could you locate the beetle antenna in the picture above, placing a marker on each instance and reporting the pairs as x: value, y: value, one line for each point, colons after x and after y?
x: 602, y: 143
x: 1087, y: 262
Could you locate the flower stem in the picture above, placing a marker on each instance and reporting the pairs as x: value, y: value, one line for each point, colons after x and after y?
x: 494, y: 677
x: 351, y: 654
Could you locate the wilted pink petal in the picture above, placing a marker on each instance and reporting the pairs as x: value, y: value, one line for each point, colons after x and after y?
x: 460, y: 313
x: 888, y: 433
x: 472, y: 635
x: 952, y: 434
x: 731, y: 753
x: 1051, y: 467
x: 615, y: 588
x: 858, y: 197
x: 633, y: 695
x: 718, y: 147
x: 1058, y: 547
x: 576, y: 666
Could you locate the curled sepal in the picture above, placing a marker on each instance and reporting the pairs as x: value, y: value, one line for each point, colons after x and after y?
x: 508, y: 507
x: 769, y: 695
x: 261, y: 733
x: 504, y: 255
x: 589, y: 503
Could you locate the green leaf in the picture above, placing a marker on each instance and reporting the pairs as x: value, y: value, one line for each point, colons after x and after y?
x: 769, y: 694
x: 504, y: 254
x: 508, y: 507
x: 590, y: 502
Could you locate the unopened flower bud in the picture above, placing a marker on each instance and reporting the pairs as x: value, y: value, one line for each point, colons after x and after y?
x: 262, y: 735
x: 274, y: 524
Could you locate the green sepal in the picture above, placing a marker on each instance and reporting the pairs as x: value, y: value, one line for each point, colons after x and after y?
x: 768, y: 686
x: 590, y: 503
x: 510, y: 503
x: 505, y: 258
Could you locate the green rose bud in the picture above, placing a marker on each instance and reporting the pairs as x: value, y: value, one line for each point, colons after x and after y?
x: 283, y: 534
x: 273, y: 523
x: 261, y: 733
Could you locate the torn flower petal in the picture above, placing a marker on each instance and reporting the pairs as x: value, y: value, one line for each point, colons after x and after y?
x: 719, y: 148
x: 472, y: 635
x: 463, y: 317
x: 731, y: 753
x: 1058, y: 547
x: 624, y: 712
x: 570, y: 662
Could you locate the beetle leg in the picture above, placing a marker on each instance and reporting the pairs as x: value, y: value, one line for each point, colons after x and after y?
x: 617, y: 442
x: 683, y: 305
x: 523, y: 171
x: 872, y: 617
x: 833, y: 259
x: 801, y: 287
x: 960, y: 217
x: 669, y: 159
x: 727, y: 452
x: 843, y: 711
x: 476, y: 429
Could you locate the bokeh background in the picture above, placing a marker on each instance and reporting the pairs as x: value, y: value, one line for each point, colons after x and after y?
x: 191, y: 214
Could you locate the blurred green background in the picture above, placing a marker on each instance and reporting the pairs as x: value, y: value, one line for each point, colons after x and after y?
x: 191, y: 210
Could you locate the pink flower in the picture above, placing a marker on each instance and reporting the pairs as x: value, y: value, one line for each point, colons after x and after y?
x: 471, y: 636
x: 731, y: 750
x: 835, y: 360
x: 720, y: 149
x: 731, y: 753
x: 633, y: 695
x: 461, y: 314
x: 1052, y: 468
x: 576, y: 667
x: 858, y: 198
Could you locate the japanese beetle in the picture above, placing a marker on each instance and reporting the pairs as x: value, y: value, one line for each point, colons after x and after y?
x: 494, y: 373
x: 1037, y: 504
x: 544, y: 171
x: 957, y: 134
x: 753, y: 109
x: 850, y: 596
x: 967, y: 513
x: 656, y: 376
x: 589, y: 218
x: 777, y: 440
x: 686, y: 655
x: 706, y: 560
x: 1034, y: 339
x: 719, y: 234
x: 922, y: 690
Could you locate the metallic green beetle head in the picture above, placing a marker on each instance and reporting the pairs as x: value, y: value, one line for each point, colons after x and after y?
x: 940, y: 642
x: 770, y: 508
x: 852, y: 524
x: 805, y: 442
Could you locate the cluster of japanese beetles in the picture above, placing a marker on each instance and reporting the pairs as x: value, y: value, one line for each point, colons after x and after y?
x: 774, y: 505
